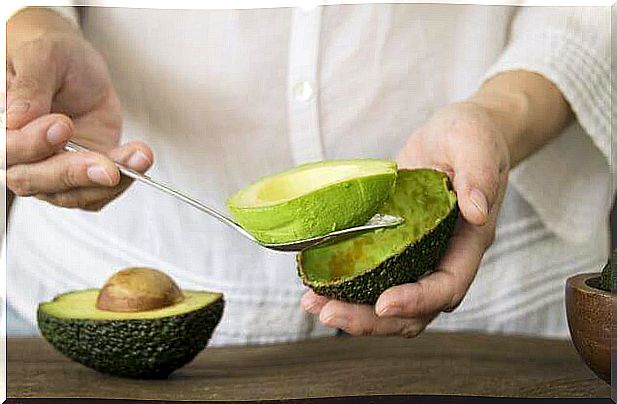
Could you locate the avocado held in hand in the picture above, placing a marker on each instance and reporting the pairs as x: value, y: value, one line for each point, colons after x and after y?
x: 313, y: 199
x: 360, y: 268
x: 139, y: 325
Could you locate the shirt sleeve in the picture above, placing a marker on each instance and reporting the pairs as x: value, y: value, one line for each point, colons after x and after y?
x: 570, y: 181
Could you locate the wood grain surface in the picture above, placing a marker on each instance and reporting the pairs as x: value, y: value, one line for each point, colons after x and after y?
x: 432, y: 364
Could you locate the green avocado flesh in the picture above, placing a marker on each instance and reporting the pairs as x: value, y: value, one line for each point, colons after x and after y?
x: 148, y: 344
x: 313, y: 199
x: 360, y: 268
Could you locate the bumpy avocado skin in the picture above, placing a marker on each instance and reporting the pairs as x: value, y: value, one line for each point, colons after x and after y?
x: 607, y: 282
x: 415, y: 260
x: 144, y: 348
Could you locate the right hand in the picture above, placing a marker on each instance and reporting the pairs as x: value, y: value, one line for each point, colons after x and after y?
x: 59, y: 89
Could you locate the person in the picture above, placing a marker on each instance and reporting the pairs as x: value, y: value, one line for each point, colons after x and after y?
x: 513, y: 103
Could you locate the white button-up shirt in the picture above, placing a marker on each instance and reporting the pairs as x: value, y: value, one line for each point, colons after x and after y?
x: 227, y: 96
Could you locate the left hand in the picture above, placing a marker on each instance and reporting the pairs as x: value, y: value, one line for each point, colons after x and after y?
x: 466, y: 141
x: 59, y: 88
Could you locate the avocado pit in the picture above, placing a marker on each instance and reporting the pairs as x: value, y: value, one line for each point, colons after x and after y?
x: 138, y: 289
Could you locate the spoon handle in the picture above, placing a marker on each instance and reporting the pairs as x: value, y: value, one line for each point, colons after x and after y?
x: 74, y: 147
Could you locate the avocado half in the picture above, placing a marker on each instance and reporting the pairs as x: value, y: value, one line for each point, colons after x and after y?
x: 313, y: 199
x: 140, y: 325
x: 358, y: 269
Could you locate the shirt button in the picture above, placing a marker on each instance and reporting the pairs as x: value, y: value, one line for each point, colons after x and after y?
x: 302, y: 91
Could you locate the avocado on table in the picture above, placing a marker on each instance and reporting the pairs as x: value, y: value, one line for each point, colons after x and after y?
x: 313, y: 199
x: 139, y: 325
x: 360, y: 268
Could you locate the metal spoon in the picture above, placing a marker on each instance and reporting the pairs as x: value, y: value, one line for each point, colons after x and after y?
x: 377, y: 222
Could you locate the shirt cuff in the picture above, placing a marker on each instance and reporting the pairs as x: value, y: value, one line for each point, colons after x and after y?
x: 568, y: 181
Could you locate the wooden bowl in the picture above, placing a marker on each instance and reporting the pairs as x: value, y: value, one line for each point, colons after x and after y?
x: 590, y: 319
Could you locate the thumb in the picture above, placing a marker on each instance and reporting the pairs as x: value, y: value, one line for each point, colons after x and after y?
x: 477, y: 189
x: 31, y: 86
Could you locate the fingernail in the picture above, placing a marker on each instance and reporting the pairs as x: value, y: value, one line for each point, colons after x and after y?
x: 18, y: 106
x: 307, y: 302
x: 58, y: 133
x: 99, y: 175
x: 479, y: 200
x: 311, y: 308
x: 338, y: 322
x: 310, y: 304
x: 388, y: 311
x: 139, y: 160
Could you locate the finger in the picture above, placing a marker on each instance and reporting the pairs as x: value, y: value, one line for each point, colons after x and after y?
x: 444, y: 289
x: 135, y: 155
x: 312, y: 302
x: 86, y: 198
x: 476, y: 190
x: 477, y: 183
x: 38, y: 139
x: 32, y: 84
x: 63, y: 172
x: 90, y: 199
x: 357, y: 319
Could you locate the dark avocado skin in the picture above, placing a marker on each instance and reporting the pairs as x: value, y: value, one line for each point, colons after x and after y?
x: 607, y: 281
x: 144, y: 349
x: 416, y: 260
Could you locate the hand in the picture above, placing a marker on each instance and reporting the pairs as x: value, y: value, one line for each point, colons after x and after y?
x: 59, y: 89
x: 467, y: 142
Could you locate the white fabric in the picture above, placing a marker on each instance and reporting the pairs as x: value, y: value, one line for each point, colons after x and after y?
x: 70, y: 13
x: 571, y: 46
x: 225, y: 97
